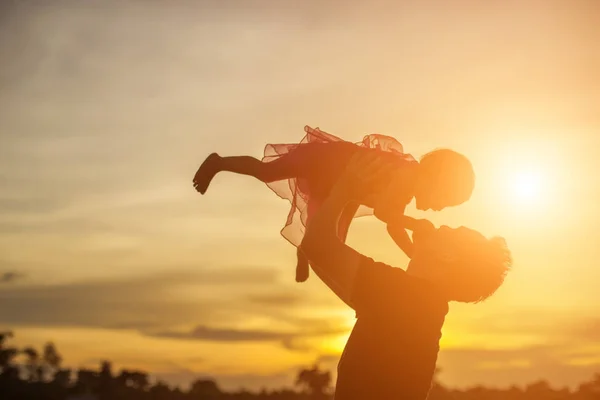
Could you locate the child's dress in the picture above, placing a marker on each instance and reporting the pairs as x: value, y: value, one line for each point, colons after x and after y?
x: 318, y: 170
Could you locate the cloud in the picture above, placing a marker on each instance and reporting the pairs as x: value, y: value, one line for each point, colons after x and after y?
x: 10, y: 276
x: 202, y: 332
x: 328, y: 358
x: 129, y: 303
x: 153, y: 305
x: 275, y: 299
x: 35, y: 205
x: 588, y: 329
x: 294, y: 340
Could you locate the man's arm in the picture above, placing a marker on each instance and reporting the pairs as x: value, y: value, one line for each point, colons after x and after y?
x: 331, y: 259
x: 397, y: 228
x: 360, y: 282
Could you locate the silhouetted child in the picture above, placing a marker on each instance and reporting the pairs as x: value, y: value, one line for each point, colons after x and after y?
x: 305, y: 172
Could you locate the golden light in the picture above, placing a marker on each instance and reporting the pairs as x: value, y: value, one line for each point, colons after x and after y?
x: 526, y: 180
x: 337, y: 344
x: 526, y: 187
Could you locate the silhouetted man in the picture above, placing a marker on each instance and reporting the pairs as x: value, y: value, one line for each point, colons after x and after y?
x: 392, y: 351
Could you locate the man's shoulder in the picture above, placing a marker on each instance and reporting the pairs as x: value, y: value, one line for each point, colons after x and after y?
x: 381, y: 289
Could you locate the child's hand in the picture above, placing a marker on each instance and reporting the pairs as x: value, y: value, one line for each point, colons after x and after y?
x: 391, y: 202
x: 401, y: 238
x: 424, y: 225
x: 364, y: 170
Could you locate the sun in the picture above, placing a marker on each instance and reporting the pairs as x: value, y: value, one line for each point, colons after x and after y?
x: 526, y: 178
x: 530, y: 189
x: 527, y: 187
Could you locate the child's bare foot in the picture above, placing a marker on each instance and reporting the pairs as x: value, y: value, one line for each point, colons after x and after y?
x: 302, y: 268
x: 206, y: 172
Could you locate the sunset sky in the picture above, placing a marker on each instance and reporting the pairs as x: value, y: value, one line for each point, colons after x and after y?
x: 108, y: 107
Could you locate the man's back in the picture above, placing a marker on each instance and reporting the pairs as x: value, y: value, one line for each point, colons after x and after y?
x: 392, y: 351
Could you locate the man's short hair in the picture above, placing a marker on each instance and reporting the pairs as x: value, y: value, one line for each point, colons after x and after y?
x: 478, y: 265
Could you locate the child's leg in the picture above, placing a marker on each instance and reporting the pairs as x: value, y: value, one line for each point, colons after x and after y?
x: 281, y: 168
x: 301, y: 267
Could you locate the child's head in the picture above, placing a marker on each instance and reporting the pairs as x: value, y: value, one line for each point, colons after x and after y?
x: 464, y: 264
x: 446, y: 178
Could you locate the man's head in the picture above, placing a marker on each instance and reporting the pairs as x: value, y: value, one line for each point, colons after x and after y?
x: 446, y: 179
x: 463, y: 263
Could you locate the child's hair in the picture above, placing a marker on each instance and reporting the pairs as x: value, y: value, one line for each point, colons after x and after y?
x: 478, y: 265
x: 456, y: 172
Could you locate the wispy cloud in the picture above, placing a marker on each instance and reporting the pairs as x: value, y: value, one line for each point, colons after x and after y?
x: 226, y: 335
x: 10, y: 276
x: 289, y: 339
x: 127, y: 302
x: 153, y: 304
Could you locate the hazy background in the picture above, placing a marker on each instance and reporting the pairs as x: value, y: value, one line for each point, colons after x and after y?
x: 108, y: 107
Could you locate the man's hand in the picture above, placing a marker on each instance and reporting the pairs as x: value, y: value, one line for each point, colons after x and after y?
x: 366, y: 169
x: 390, y: 203
x: 331, y: 259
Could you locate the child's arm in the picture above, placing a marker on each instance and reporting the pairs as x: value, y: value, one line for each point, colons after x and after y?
x: 392, y: 216
x: 400, y: 236
x: 396, y: 227
x: 415, y: 225
x: 421, y: 228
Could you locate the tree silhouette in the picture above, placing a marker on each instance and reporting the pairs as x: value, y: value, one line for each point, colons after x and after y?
x: 160, y: 391
x: 205, y: 389
x: 62, y: 378
x: 34, y: 372
x: 105, y: 381
x: 591, y: 389
x: 314, y: 381
x: 139, y: 380
x: 87, y: 381
x: 7, y: 357
x: 51, y: 359
x: 103, y: 384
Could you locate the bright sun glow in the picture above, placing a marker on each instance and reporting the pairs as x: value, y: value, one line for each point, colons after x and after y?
x: 528, y: 178
x: 527, y: 187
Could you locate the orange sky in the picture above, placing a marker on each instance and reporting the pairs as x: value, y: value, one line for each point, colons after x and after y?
x: 107, y: 108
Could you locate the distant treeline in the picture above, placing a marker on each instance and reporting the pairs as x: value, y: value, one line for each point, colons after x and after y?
x: 29, y: 374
